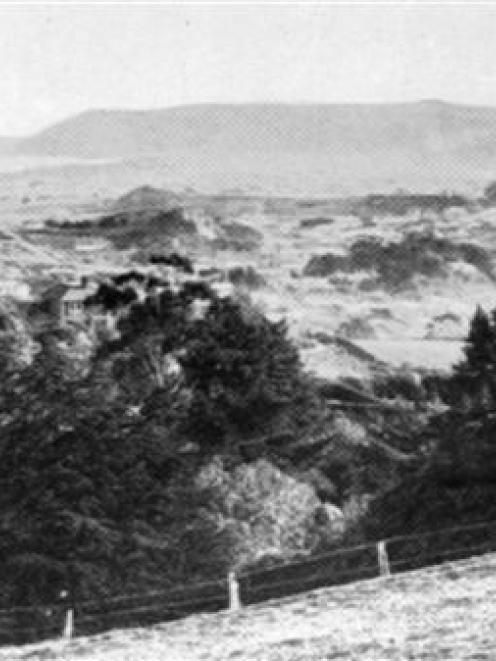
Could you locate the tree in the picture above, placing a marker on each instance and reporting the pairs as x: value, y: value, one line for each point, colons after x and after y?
x: 241, y: 368
x: 263, y: 511
x: 455, y: 482
x: 17, y: 347
x: 490, y: 193
x: 98, y: 465
x: 93, y: 495
x: 238, y: 371
x: 476, y: 375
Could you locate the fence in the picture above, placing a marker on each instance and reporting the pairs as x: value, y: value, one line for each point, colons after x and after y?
x: 396, y: 554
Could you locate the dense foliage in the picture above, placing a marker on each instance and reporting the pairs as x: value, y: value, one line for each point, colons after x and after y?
x: 399, y: 204
x: 99, y: 459
x: 397, y: 263
x: 88, y: 489
x: 190, y: 441
x: 457, y: 480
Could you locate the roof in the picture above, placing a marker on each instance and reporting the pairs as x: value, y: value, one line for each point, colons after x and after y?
x: 53, y: 291
x: 76, y: 294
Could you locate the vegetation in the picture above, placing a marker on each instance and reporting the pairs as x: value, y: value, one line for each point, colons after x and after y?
x: 490, y: 194
x: 399, y: 204
x: 101, y: 467
x: 395, y: 264
x: 191, y: 441
x: 456, y: 482
x: 310, y: 223
x: 264, y: 511
x: 247, y: 276
x: 126, y: 228
x: 237, y: 236
x: 175, y: 260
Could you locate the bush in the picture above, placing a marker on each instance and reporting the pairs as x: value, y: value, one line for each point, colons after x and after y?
x: 266, y: 512
x: 399, y: 204
x: 237, y: 236
x: 324, y: 265
x: 247, y: 276
x: 309, y: 223
x: 490, y: 194
x: 173, y: 259
x: 396, y: 264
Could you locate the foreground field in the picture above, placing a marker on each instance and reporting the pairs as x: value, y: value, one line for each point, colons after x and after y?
x: 441, y: 613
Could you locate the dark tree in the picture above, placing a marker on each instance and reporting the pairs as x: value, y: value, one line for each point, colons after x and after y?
x: 475, y: 377
x: 94, y: 496
x: 97, y: 466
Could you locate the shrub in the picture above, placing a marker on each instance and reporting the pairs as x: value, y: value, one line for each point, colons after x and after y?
x: 309, y: 223
x: 173, y: 259
x: 397, y: 263
x: 399, y: 204
x: 323, y: 265
x: 266, y: 512
x: 490, y: 194
x: 247, y: 276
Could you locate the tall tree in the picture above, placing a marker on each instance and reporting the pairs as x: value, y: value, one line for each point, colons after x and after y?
x: 475, y: 377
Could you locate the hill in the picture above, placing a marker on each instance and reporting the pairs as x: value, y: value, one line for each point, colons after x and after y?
x: 405, y: 133
x: 409, y: 616
x: 147, y: 198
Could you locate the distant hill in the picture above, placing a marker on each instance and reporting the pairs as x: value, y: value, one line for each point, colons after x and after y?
x: 414, y: 130
x: 424, y: 146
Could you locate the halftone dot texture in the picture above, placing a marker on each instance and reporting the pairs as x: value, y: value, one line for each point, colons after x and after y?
x: 291, y: 148
x: 434, y: 614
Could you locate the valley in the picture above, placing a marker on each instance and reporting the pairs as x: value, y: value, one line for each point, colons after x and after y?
x: 247, y: 331
x: 285, y: 368
x: 419, y: 320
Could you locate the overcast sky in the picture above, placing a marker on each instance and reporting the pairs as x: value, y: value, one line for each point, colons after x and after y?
x: 58, y: 60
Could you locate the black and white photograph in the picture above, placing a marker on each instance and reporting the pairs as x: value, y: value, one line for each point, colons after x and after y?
x: 248, y: 331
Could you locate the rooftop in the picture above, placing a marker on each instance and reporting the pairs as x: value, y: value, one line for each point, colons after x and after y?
x: 77, y: 294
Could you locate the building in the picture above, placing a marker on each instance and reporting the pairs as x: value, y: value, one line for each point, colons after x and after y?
x: 71, y: 306
x: 65, y: 302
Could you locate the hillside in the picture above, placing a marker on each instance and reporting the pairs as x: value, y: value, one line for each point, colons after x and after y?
x: 444, y: 612
x: 147, y: 197
x: 407, y: 134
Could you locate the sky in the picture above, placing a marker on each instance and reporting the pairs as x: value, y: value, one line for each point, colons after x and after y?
x: 61, y: 59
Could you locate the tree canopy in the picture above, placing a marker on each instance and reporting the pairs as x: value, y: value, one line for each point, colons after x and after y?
x: 97, y: 465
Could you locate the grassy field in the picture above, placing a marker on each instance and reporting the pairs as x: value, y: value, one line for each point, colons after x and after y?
x: 430, y: 354
x: 436, y: 614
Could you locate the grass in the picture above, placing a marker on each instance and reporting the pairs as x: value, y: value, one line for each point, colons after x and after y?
x: 437, y: 355
x: 434, y: 614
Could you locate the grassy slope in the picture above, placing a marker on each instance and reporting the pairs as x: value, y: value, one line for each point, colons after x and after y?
x: 440, y: 613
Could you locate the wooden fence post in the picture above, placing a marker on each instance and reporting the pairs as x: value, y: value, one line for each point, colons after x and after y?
x: 68, y: 625
x: 234, y: 601
x: 383, y: 560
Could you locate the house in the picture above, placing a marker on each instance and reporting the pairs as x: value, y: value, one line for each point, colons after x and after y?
x: 71, y: 306
x: 65, y: 302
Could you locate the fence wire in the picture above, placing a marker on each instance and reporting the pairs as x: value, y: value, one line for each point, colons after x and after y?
x: 23, y: 624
